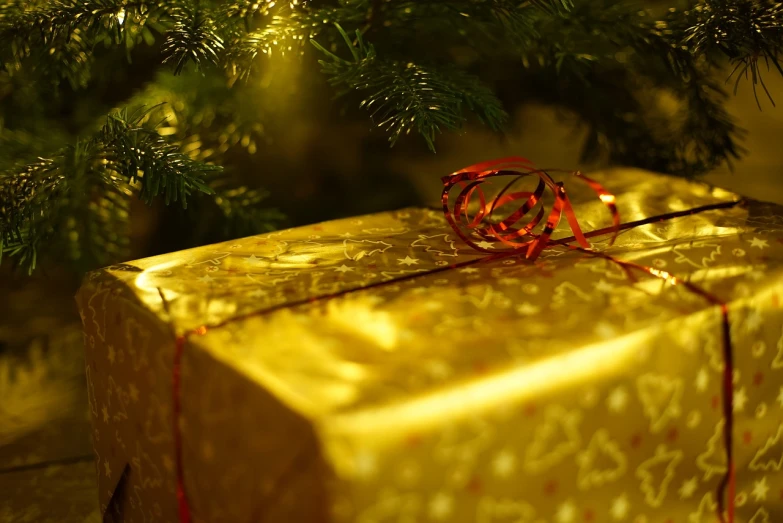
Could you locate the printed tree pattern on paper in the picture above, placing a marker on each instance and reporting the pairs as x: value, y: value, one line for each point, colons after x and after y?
x: 431, y: 386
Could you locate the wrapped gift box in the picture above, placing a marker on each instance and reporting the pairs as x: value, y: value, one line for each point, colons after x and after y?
x: 376, y: 369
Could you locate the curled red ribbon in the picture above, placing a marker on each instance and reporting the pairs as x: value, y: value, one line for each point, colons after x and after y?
x: 522, y: 239
x: 506, y: 231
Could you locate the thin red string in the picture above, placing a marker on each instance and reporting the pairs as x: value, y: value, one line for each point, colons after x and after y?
x: 728, y: 480
x: 182, y: 498
x: 470, y: 179
x: 728, y: 413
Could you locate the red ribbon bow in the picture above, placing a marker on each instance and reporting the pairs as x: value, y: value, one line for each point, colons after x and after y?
x: 517, y: 238
x: 524, y: 239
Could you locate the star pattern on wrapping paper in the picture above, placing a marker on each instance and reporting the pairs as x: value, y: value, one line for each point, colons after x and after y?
x: 469, y: 270
x: 206, y: 279
x: 761, y: 244
x: 760, y: 489
x: 253, y: 259
x: 343, y: 268
x: 688, y: 488
x: 485, y: 245
x: 620, y: 507
x: 530, y: 288
x: 693, y: 420
x: 702, y: 380
x: 740, y: 399
x: 753, y: 321
x: 504, y: 464
x: 441, y: 506
x: 566, y: 513
x: 617, y: 399
x: 527, y: 309
x: 408, y: 261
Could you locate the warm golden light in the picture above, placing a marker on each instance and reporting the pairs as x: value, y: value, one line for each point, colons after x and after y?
x: 145, y: 281
x: 360, y: 319
x: 420, y: 374
x: 663, y: 275
x: 592, y: 363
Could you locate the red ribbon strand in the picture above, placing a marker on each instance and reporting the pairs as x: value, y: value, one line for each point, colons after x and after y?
x: 520, y: 238
x: 183, y: 507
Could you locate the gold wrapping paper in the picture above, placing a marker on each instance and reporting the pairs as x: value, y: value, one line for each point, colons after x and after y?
x: 343, y: 372
x: 61, y: 493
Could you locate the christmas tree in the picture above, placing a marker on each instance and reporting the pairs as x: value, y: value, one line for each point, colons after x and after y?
x: 104, y: 101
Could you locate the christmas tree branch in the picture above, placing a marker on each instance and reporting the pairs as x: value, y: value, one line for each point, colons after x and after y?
x: 139, y: 154
x: 58, y: 37
x: 286, y: 32
x: 76, y: 201
x: 243, y: 211
x: 194, y: 36
x: 746, y: 32
x: 405, y: 96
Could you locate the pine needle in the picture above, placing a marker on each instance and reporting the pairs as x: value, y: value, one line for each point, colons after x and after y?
x: 405, y: 96
x: 76, y: 201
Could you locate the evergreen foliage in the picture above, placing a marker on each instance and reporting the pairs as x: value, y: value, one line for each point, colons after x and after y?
x: 405, y: 96
x: 412, y: 65
x: 77, y: 200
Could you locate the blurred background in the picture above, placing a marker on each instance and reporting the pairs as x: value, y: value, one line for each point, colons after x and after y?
x: 280, y: 132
